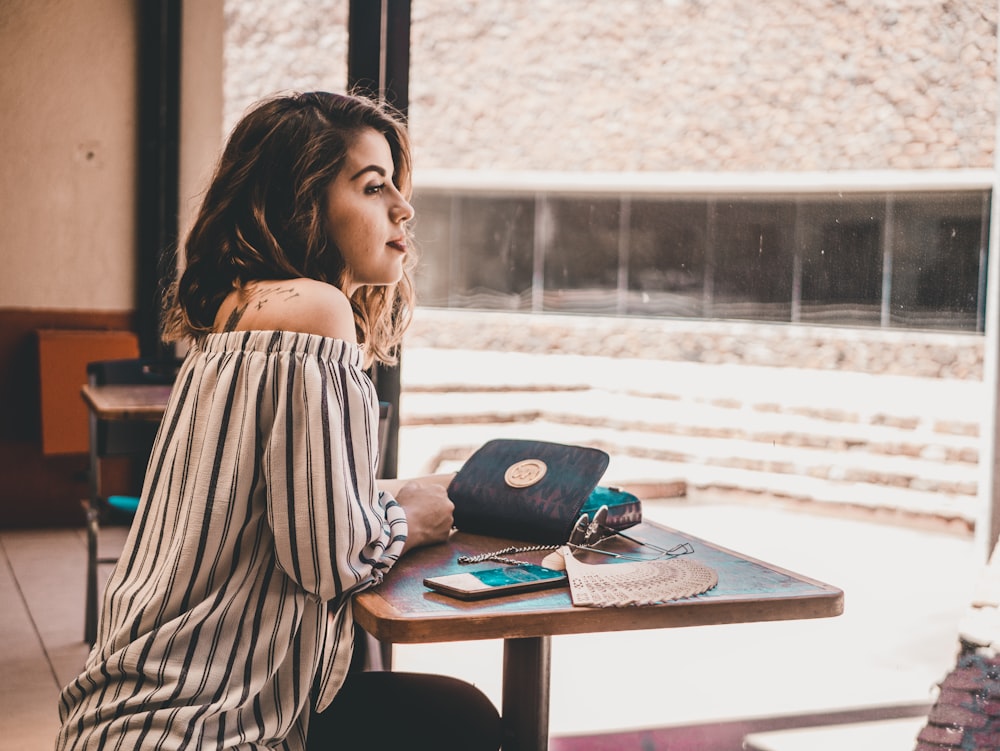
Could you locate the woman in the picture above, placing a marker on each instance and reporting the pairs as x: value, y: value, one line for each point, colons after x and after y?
x: 226, y: 622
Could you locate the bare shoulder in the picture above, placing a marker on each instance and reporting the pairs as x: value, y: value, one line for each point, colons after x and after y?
x: 304, y: 305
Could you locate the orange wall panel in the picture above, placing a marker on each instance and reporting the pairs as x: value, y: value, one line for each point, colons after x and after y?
x: 62, y: 364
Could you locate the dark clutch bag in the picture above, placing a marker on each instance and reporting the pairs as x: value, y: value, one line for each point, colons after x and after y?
x: 535, y: 491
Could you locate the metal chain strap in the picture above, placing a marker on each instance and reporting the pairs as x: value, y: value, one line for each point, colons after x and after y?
x: 500, y: 555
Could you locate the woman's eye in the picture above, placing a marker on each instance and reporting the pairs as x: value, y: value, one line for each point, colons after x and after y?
x: 374, y: 189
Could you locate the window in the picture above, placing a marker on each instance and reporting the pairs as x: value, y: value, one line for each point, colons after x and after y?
x: 666, y: 257
x: 914, y: 260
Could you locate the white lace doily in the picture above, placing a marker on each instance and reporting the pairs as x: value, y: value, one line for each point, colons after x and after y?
x: 613, y: 585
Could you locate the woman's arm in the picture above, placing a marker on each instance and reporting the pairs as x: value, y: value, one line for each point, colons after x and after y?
x: 334, y: 532
x: 392, y: 486
x: 427, y: 506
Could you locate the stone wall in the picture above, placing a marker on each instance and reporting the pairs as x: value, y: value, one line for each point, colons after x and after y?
x: 659, y: 85
x: 874, y: 351
x: 278, y: 45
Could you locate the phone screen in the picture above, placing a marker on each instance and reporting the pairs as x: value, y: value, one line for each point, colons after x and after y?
x: 496, y: 581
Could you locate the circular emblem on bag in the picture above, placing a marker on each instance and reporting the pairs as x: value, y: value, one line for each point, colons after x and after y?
x: 525, y: 473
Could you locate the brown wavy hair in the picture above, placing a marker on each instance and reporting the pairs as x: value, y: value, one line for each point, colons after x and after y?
x: 263, y: 216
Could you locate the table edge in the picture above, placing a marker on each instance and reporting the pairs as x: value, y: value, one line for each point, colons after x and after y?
x: 385, y: 622
x: 134, y: 411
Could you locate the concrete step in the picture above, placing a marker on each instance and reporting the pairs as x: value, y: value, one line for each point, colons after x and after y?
x: 884, y: 735
x: 652, y: 461
x: 903, y: 444
x: 750, y: 442
x: 865, y: 398
x: 643, y: 414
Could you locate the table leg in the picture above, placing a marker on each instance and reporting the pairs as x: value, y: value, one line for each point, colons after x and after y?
x: 526, y: 670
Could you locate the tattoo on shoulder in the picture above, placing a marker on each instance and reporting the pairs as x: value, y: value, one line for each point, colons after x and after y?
x: 234, y: 317
x: 262, y: 296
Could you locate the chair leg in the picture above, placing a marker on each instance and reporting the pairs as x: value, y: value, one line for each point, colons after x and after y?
x: 90, y: 606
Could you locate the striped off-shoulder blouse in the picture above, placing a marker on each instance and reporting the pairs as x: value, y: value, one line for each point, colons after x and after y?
x: 227, y: 615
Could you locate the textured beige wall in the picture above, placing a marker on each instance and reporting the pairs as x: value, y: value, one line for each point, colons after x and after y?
x: 703, y: 85
x: 660, y: 85
x: 201, y: 135
x: 68, y: 133
x: 68, y: 182
x: 282, y: 45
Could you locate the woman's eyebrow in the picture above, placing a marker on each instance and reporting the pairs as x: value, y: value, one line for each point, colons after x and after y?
x: 370, y: 168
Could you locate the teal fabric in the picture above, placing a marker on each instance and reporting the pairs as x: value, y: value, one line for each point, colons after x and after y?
x: 127, y: 504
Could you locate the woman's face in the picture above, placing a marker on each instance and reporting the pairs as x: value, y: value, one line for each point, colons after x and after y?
x: 366, y: 215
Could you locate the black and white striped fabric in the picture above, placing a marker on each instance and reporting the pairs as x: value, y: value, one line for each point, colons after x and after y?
x: 260, y: 516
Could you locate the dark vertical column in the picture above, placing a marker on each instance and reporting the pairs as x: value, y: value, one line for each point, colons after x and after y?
x: 378, y: 64
x: 396, y: 72
x: 158, y: 162
x: 365, y: 47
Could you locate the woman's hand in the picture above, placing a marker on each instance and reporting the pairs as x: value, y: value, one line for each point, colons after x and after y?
x: 428, y: 510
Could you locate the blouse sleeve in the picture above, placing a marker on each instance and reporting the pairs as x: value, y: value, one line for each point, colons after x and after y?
x: 334, y: 531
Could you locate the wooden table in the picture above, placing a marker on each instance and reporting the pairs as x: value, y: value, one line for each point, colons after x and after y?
x: 401, y: 609
x: 119, y: 402
x: 112, y: 403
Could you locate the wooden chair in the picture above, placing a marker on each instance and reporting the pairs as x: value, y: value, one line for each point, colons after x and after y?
x: 130, y: 440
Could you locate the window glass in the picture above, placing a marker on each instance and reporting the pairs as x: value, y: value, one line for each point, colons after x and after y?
x: 751, y: 250
x: 901, y: 260
x: 475, y: 252
x: 666, y: 257
x: 842, y: 262
x: 580, y: 244
x: 709, y: 88
x: 432, y: 227
x: 495, y: 261
x: 939, y: 261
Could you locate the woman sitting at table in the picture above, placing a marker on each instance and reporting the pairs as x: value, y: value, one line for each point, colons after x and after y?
x: 227, y: 620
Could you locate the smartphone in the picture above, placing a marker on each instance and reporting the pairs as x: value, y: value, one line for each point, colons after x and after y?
x: 474, y: 585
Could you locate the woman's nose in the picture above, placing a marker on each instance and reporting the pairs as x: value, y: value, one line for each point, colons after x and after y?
x: 403, y: 211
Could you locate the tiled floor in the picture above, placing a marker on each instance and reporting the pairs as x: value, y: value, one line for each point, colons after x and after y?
x: 905, y: 592
x: 41, y: 621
